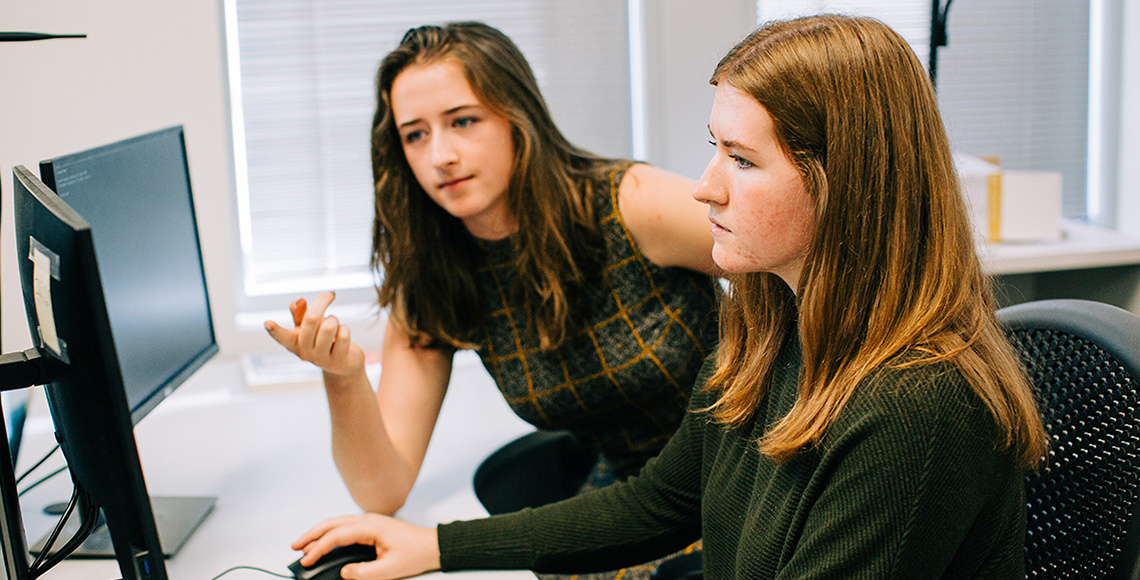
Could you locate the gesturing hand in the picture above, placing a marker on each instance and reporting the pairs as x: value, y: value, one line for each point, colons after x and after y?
x: 317, y: 338
x: 402, y: 549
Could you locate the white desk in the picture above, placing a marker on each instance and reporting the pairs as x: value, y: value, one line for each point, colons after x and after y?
x: 266, y: 456
x: 1084, y: 246
x: 1090, y: 263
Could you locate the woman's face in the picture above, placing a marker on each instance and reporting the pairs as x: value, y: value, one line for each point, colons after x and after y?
x: 461, y: 152
x: 762, y: 214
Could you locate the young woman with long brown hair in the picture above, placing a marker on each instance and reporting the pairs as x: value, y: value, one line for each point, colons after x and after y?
x: 584, y: 284
x: 864, y: 416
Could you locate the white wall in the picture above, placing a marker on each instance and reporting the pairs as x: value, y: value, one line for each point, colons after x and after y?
x: 145, y: 65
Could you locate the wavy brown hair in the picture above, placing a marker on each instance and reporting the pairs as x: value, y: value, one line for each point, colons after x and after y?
x: 423, y: 255
x: 891, y: 277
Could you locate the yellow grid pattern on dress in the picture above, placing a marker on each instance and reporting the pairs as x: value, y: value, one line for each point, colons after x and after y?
x: 534, y: 393
x: 622, y: 312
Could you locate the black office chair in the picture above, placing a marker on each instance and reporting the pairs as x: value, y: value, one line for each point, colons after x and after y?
x: 536, y: 469
x: 1083, y: 359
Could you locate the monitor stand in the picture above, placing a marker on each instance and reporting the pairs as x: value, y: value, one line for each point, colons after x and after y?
x: 175, y: 517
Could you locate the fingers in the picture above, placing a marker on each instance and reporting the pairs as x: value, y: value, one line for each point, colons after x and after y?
x: 342, y: 531
x: 402, y: 549
x: 327, y: 332
x: 312, y: 316
x: 297, y: 309
x: 318, y: 337
x: 312, y: 330
x: 342, y: 343
x: 325, y: 536
x: 284, y: 336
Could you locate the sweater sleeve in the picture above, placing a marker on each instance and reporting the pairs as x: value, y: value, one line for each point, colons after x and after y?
x: 647, y: 516
x: 910, y: 486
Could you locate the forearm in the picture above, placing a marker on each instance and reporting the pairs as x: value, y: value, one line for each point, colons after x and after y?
x: 380, y: 438
x: 377, y: 477
x: 589, y: 533
x: 645, y: 517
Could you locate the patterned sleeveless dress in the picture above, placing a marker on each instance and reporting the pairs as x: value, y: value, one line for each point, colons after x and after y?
x: 621, y: 380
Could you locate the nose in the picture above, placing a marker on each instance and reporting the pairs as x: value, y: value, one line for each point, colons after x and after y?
x: 443, y: 151
x: 709, y: 187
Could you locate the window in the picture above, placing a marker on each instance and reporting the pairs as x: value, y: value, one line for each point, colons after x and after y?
x: 1013, y: 82
x: 302, y: 75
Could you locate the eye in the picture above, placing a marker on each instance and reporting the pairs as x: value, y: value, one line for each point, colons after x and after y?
x: 711, y: 142
x: 741, y: 162
x: 413, y: 136
x: 463, y: 122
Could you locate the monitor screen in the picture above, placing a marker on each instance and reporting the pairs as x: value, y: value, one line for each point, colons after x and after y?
x: 136, y: 196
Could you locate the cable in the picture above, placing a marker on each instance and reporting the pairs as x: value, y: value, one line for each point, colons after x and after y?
x: 37, y: 464
x: 89, y: 514
x: 41, y: 480
x: 254, y: 568
x: 36, y: 569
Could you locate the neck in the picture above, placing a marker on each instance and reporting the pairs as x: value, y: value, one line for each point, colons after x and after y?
x: 491, y: 229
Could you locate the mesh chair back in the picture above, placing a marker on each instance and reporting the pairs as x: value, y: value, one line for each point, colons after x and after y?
x: 1083, y: 359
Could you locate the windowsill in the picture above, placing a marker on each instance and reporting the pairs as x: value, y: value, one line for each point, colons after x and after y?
x: 269, y: 370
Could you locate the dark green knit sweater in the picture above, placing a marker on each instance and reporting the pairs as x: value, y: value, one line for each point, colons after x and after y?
x: 907, y: 484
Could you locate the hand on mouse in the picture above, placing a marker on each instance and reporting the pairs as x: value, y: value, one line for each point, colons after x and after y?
x: 403, y: 549
x: 317, y: 338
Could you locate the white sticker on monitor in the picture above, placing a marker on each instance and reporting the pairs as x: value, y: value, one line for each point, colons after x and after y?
x: 45, y: 266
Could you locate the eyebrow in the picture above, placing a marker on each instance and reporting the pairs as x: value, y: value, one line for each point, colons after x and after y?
x: 450, y: 111
x: 731, y: 144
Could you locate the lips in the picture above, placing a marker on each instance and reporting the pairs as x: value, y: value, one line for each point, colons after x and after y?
x: 453, y: 182
x: 717, y: 227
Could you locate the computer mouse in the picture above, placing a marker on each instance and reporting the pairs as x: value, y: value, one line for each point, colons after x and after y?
x: 328, y: 567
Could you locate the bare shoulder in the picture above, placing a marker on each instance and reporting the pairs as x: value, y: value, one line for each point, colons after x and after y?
x: 670, y: 227
x: 642, y: 178
x: 648, y: 195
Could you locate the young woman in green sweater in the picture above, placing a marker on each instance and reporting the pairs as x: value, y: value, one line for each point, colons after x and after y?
x: 864, y: 416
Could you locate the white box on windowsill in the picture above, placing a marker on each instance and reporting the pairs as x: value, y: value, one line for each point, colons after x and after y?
x: 1011, y: 206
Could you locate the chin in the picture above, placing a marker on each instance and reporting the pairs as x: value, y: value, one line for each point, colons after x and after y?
x: 729, y: 264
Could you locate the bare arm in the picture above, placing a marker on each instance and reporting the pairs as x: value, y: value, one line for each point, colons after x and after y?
x: 379, y: 439
x: 671, y: 228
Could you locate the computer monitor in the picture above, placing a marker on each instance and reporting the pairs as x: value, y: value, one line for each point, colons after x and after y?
x: 116, y: 299
x: 136, y: 196
x: 69, y: 321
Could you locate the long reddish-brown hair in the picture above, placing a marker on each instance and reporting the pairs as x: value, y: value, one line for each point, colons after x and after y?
x: 891, y: 277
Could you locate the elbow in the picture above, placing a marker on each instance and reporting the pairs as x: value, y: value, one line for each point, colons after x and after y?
x: 385, y: 501
x: 387, y: 508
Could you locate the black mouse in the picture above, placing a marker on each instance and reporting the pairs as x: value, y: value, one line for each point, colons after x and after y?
x: 328, y: 567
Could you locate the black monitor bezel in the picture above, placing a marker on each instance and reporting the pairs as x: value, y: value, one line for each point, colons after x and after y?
x: 13, y: 543
x: 85, y: 396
